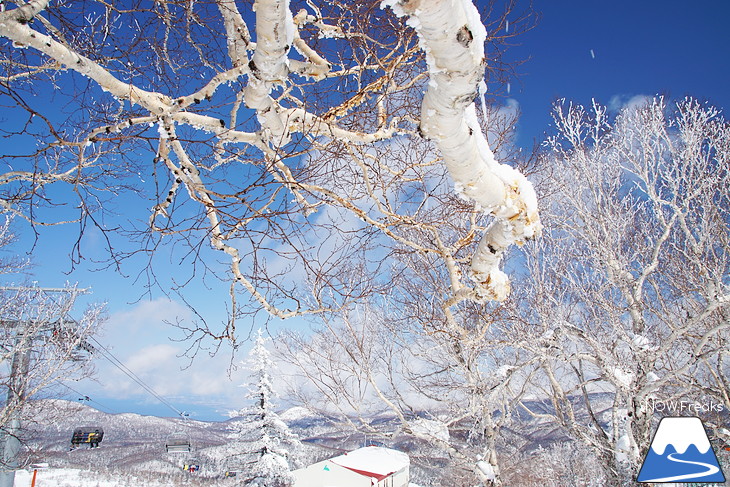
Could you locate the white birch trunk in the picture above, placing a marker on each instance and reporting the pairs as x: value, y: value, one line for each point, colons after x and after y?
x: 453, y: 36
x: 274, y: 36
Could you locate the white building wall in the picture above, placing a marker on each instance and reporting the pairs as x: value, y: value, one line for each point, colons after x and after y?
x: 401, y: 478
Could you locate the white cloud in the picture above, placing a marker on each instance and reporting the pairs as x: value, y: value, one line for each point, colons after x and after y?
x: 619, y: 102
x: 146, y: 316
x: 139, y: 338
x: 153, y: 359
x: 161, y: 367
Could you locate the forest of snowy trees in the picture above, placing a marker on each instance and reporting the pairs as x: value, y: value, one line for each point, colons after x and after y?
x: 347, y: 162
x: 625, y: 297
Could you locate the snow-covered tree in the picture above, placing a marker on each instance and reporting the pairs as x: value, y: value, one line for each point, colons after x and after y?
x: 222, y: 120
x: 295, y: 141
x: 42, y: 343
x: 421, y: 349
x: 267, y: 447
x: 629, y: 293
x: 450, y: 389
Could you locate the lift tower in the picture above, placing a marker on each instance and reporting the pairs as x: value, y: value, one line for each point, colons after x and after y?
x: 39, y: 316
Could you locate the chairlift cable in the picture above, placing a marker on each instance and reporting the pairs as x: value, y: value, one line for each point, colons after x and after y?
x: 104, y: 351
x: 118, y: 364
x: 102, y: 407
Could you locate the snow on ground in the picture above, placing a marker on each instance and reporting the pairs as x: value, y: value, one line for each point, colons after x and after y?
x: 72, y: 477
x: 297, y: 413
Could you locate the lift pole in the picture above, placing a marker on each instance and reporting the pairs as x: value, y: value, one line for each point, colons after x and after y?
x: 16, y: 396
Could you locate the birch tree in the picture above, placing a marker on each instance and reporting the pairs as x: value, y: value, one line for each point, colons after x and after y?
x: 451, y: 395
x: 222, y: 116
x: 629, y: 294
x: 418, y: 351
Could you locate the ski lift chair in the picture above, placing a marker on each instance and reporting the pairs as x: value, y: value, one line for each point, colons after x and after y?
x: 234, y: 466
x: 178, y: 443
x: 87, y: 434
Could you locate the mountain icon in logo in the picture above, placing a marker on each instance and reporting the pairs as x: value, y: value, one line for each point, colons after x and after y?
x: 680, y: 451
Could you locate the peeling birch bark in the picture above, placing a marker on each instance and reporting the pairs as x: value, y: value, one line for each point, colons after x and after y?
x: 317, y: 67
x: 269, y: 66
x: 452, y: 37
x: 239, y: 37
x: 304, y: 122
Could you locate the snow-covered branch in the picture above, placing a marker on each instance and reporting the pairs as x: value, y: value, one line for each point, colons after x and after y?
x: 14, y: 24
x: 235, y: 141
x: 453, y: 36
x: 269, y: 65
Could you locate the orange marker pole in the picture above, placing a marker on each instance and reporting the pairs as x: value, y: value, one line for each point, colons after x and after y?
x: 32, y: 482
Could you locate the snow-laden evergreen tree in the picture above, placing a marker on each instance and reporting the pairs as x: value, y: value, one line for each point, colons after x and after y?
x: 266, y: 444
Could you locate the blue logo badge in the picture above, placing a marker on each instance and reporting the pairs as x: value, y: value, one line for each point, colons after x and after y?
x: 680, y: 452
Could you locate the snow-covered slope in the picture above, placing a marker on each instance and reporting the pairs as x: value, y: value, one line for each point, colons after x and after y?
x: 73, y: 477
x: 132, y: 452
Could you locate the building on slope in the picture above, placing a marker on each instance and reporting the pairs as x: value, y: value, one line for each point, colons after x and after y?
x: 372, y: 466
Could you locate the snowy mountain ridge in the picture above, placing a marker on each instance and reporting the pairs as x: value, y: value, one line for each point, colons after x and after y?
x: 135, y: 444
x: 133, y: 454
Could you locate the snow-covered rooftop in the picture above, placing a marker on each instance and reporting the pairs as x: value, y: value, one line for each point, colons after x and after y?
x: 374, y: 461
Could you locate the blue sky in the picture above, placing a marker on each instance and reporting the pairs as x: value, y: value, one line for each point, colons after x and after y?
x: 645, y: 47
x: 611, y: 51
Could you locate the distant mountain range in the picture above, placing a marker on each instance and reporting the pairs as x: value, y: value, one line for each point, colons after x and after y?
x: 136, y: 444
